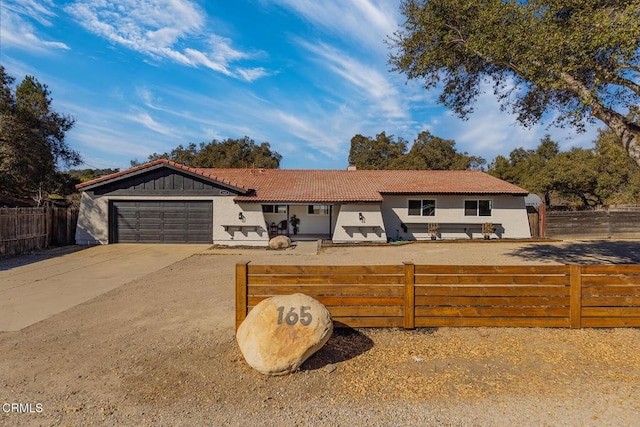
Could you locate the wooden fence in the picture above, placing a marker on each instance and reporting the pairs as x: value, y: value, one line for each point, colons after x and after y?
x: 409, y: 296
x: 27, y: 229
x: 606, y: 223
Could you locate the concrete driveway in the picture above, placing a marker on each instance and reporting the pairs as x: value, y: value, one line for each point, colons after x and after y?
x: 32, y: 292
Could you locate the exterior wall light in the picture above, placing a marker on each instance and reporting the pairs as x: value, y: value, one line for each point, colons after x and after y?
x: 361, y: 217
x: 241, y: 216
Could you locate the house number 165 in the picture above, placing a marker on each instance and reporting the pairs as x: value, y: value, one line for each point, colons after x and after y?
x: 292, y: 317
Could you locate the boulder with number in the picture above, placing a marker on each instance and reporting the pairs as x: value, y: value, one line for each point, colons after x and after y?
x: 281, y: 332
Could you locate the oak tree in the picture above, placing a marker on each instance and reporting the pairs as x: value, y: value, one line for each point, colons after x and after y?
x: 427, y: 152
x: 432, y: 152
x: 376, y: 153
x: 229, y: 153
x: 32, y: 140
x: 578, y: 59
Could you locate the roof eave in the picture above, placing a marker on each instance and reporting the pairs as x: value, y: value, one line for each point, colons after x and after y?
x: 457, y: 193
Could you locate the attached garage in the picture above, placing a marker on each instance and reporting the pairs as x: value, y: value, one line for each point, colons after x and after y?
x: 157, y: 221
x: 159, y: 202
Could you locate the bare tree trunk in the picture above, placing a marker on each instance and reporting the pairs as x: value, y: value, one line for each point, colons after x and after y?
x: 625, y: 129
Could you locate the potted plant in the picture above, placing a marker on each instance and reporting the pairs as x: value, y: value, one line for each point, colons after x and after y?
x: 295, y: 222
x: 488, y: 229
x: 434, y: 230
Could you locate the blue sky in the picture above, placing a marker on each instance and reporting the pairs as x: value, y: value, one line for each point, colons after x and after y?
x: 143, y: 76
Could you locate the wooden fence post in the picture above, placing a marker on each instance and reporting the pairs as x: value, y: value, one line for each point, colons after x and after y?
x: 542, y: 211
x: 241, y: 292
x: 50, y: 219
x: 409, y: 295
x: 575, y: 304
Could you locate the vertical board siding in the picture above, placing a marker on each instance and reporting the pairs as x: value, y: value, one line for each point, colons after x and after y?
x: 28, y: 229
x: 568, y: 296
x: 22, y: 230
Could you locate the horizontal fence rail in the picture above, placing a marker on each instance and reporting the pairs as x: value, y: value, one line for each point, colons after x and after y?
x: 409, y: 296
x: 609, y: 223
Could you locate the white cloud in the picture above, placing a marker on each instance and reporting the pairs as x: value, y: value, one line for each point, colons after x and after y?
x: 147, y: 121
x: 109, y: 140
x: 365, y: 22
x: 37, y: 10
x: 146, y: 26
x: 311, y: 131
x: 382, y: 95
x: 147, y: 97
x: 489, y: 132
x: 163, y: 29
x: 17, y: 30
x: 292, y: 126
x: 251, y: 74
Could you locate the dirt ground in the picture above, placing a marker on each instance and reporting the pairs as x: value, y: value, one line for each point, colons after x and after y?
x: 161, y: 351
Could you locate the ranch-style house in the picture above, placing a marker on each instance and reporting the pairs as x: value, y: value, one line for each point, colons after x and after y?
x: 163, y: 201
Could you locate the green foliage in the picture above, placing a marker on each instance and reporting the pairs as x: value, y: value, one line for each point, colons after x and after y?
x: 588, y: 177
x: 574, y: 175
x: 378, y: 153
x: 65, y: 185
x: 580, y: 58
x: 427, y: 152
x: 526, y: 168
x: 230, y: 153
x: 618, y: 179
x: 84, y: 175
x: 32, y: 140
x: 431, y: 152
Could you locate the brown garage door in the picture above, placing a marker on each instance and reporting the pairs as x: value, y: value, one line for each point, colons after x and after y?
x: 161, y: 221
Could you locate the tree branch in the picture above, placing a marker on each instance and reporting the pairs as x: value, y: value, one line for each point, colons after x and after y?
x: 633, y: 67
x: 618, y: 80
x: 463, y: 42
x: 627, y: 130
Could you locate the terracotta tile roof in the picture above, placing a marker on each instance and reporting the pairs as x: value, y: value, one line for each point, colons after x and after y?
x: 297, y: 185
x: 282, y: 185
x: 330, y: 186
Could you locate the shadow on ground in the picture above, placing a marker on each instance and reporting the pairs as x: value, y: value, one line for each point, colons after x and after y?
x: 587, y: 252
x: 14, y: 261
x: 344, y: 344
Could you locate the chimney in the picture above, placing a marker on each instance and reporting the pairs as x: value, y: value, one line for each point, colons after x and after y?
x: 352, y: 167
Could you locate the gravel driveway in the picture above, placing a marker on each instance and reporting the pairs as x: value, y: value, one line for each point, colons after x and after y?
x: 160, y: 350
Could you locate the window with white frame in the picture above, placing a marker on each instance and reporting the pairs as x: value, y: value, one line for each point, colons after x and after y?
x: 318, y: 209
x: 425, y: 207
x: 478, y: 207
x: 274, y: 208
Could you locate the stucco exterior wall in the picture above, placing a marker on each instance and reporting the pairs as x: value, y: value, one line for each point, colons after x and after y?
x: 350, y: 228
x: 93, y: 221
x: 252, y: 230
x: 380, y: 220
x: 509, y: 211
x: 309, y: 224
